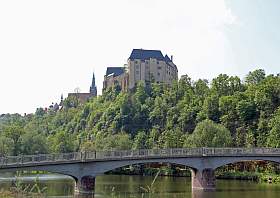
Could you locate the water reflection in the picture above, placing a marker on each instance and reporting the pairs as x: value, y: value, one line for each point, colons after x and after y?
x: 203, y: 194
x: 110, y: 186
x: 84, y: 196
x: 195, y: 194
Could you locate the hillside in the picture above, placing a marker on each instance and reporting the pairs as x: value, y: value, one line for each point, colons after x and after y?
x: 225, y: 112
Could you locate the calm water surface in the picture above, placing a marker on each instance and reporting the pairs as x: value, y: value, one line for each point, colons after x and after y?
x: 112, y: 186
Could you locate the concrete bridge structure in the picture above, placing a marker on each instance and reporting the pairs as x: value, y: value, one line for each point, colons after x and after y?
x: 83, y: 167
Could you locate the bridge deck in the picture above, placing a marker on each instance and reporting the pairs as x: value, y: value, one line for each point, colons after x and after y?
x: 76, y: 157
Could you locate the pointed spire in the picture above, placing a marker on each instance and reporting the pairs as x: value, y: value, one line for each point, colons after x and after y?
x: 93, y: 89
x: 93, y: 80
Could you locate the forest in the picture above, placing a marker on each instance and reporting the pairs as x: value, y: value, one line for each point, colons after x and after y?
x: 224, y: 112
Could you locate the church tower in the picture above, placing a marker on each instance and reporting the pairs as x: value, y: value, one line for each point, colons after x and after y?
x: 93, y: 89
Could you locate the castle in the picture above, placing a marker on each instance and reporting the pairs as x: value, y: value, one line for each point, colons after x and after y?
x: 142, y: 65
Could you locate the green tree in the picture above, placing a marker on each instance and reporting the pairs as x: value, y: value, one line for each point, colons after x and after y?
x: 33, y: 142
x: 88, y: 146
x: 158, y: 112
x: 211, y: 108
x: 225, y: 85
x: 153, y: 139
x: 229, y: 115
x: 40, y: 112
x: 255, y: 77
x: 121, y: 141
x: 140, y: 95
x: 273, y: 139
x: 209, y: 134
x: 140, y: 141
x: 250, y: 139
x: 172, y: 139
x: 246, y: 110
x: 240, y: 139
x: 61, y: 142
x: 6, y: 146
x: 71, y: 102
x: 201, y: 88
x: 14, y: 132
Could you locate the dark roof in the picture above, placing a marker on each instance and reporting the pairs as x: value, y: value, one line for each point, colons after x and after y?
x: 167, y: 59
x: 146, y: 54
x: 115, y: 70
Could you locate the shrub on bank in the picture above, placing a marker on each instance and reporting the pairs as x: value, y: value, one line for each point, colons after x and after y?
x: 253, y: 176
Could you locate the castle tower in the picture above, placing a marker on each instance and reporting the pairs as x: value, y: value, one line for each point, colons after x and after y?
x: 93, y: 89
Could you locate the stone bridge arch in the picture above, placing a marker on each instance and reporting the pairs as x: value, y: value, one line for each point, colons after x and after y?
x: 218, y: 162
x: 99, y: 168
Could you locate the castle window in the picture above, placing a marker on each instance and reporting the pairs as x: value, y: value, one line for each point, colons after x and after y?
x: 157, y: 62
x: 137, y: 72
x: 158, y: 74
x: 136, y: 61
x: 159, y: 67
x: 137, y: 66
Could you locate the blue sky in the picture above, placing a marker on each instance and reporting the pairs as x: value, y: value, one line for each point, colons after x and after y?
x: 255, y: 40
x: 48, y: 48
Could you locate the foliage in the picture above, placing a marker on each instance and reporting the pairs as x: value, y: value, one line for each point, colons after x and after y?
x: 61, y: 142
x: 120, y: 141
x: 226, y: 112
x: 273, y: 139
x: 25, y: 190
x: 209, y: 134
x: 255, y: 77
x: 6, y: 146
x: 34, y: 142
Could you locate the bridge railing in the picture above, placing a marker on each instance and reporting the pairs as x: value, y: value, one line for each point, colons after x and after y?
x: 41, y: 158
x: 240, y: 151
x: 145, y: 153
x: 148, y: 153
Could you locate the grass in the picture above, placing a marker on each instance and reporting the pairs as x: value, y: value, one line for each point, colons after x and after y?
x: 24, y: 190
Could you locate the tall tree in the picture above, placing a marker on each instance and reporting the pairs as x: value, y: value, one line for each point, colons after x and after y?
x: 209, y: 134
x: 273, y: 139
x: 255, y: 77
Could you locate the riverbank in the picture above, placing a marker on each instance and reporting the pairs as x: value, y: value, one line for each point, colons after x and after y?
x: 6, y: 194
x: 20, y: 189
x: 253, y: 176
x: 12, y: 194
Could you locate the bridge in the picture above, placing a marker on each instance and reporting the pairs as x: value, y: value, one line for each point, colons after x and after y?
x: 83, y: 167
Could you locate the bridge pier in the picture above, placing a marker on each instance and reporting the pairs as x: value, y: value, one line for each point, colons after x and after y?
x: 85, y: 185
x: 203, y: 179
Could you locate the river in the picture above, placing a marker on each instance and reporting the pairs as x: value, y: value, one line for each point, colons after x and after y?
x: 116, y: 186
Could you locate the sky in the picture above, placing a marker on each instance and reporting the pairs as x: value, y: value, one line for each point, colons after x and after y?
x: 49, y: 48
